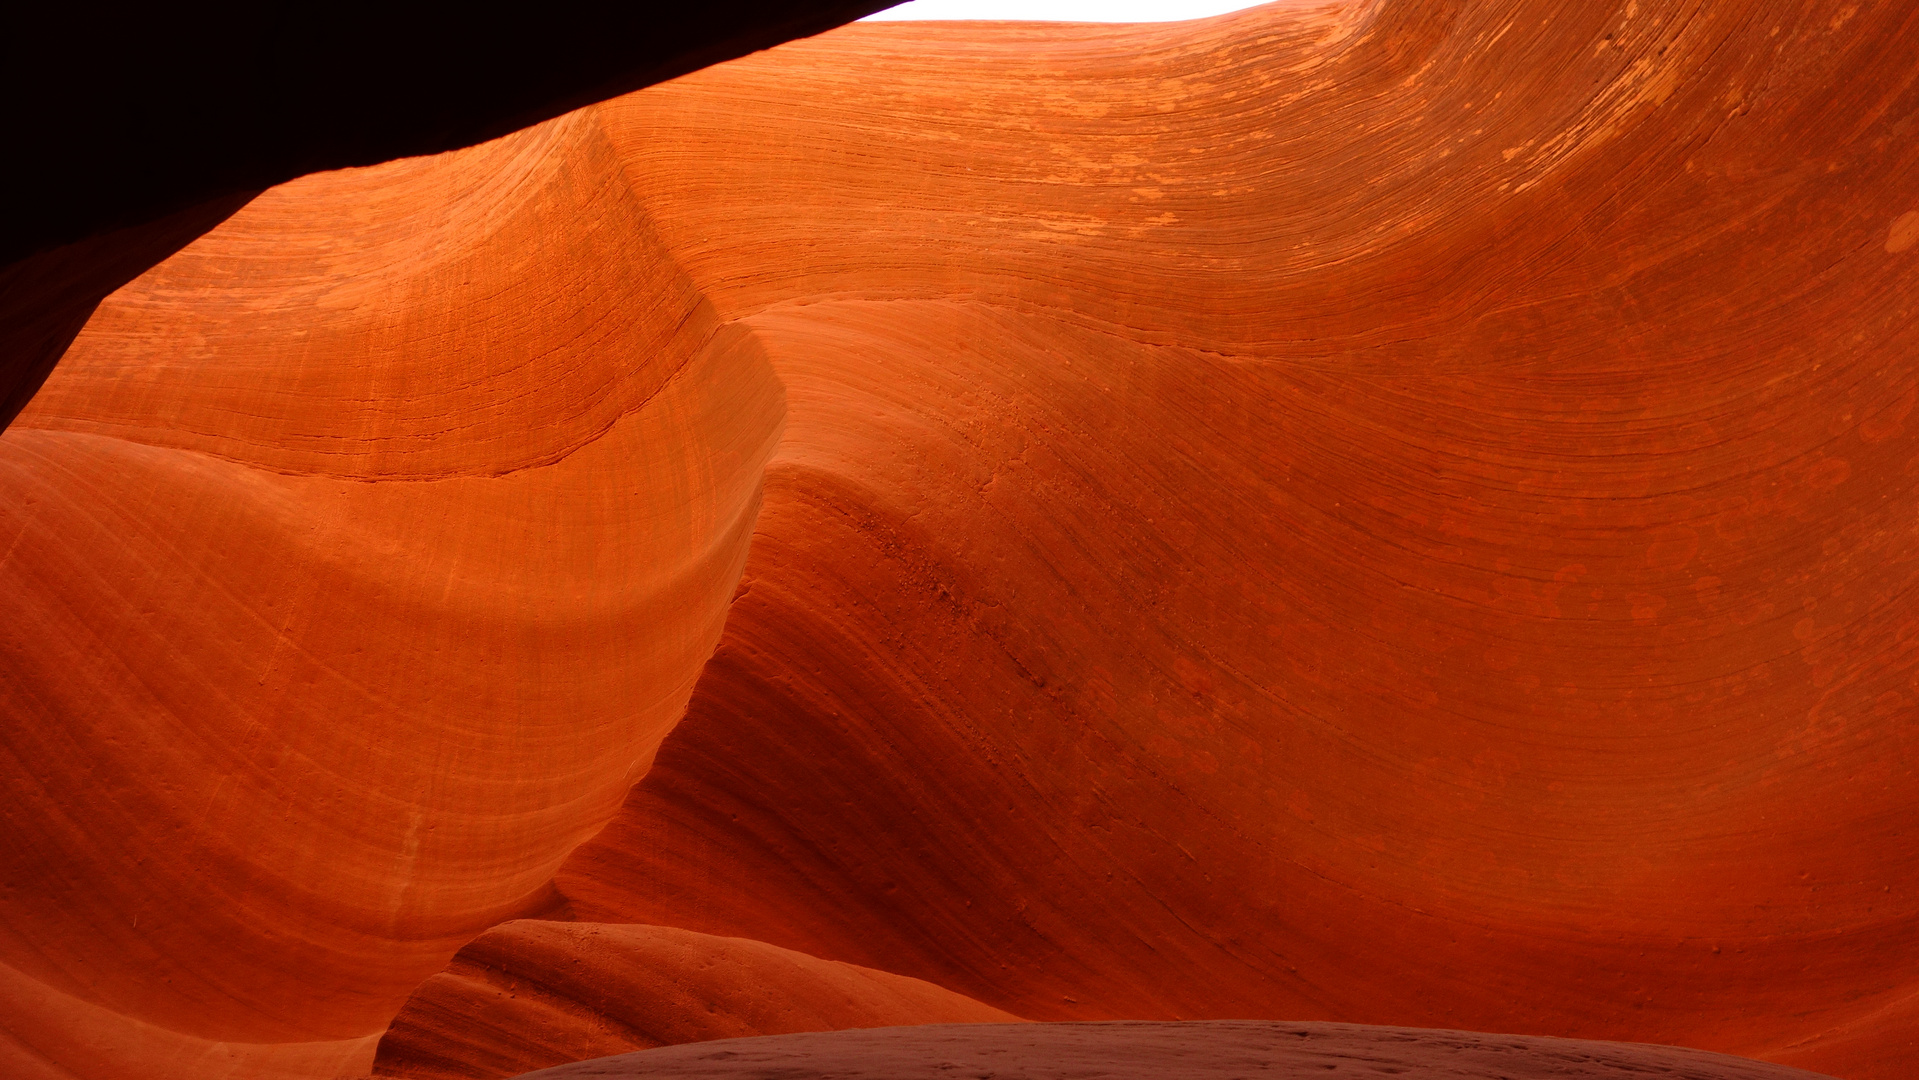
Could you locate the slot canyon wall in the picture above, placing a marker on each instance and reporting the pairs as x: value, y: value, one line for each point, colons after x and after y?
x: 136, y: 130
x: 1394, y: 512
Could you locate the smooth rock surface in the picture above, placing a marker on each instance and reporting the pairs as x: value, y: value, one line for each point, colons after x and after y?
x: 1392, y: 512
x: 134, y: 130
x: 1395, y: 515
x: 528, y: 994
x: 320, y: 653
x: 1189, y: 1051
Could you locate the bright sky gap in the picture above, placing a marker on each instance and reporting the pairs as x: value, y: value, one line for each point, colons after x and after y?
x: 1064, y: 10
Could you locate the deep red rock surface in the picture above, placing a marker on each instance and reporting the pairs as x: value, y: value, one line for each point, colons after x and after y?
x: 533, y: 993
x: 1397, y: 513
x: 1224, y: 1049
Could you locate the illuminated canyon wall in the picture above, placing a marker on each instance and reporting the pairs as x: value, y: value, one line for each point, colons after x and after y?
x: 1393, y: 513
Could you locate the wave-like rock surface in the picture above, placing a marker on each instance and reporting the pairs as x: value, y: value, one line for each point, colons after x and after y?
x: 1394, y: 512
x: 357, y: 560
x: 1396, y: 515
x: 1199, y: 1051
x: 148, y: 128
x: 529, y: 994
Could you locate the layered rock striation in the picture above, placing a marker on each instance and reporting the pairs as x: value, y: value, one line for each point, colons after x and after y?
x: 1202, y: 1051
x: 536, y: 993
x: 1389, y: 512
x: 1393, y: 515
x: 137, y: 132
x: 321, y: 654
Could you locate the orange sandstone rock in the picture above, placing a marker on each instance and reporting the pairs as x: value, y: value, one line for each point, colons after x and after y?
x: 320, y: 654
x: 1395, y: 512
x: 1394, y: 515
x: 132, y: 134
x: 529, y: 994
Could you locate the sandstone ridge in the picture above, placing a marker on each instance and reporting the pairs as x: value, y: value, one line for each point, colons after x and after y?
x: 1392, y: 513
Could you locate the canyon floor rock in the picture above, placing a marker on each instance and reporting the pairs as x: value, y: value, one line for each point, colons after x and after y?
x: 1219, y: 1049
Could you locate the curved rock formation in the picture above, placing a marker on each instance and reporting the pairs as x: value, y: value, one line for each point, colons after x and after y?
x: 46, y: 298
x: 319, y: 658
x: 1394, y: 512
x: 136, y: 130
x: 1223, y: 1049
x: 530, y: 994
x: 1397, y: 517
